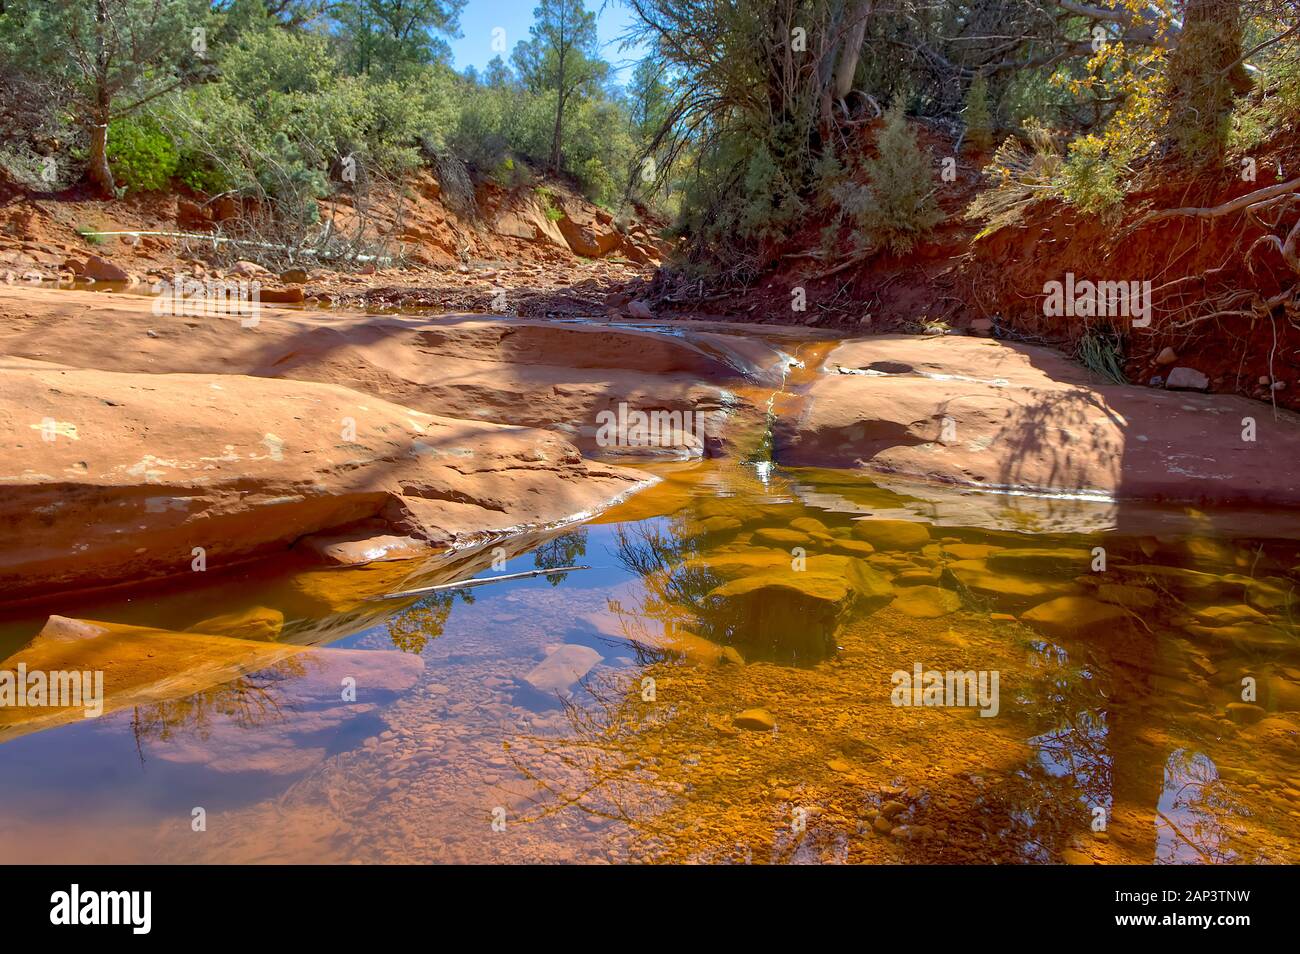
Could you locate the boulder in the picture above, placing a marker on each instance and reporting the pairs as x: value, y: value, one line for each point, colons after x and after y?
x: 102, y: 270
x: 586, y: 235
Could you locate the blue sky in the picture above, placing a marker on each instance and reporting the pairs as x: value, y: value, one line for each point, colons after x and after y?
x: 480, y: 17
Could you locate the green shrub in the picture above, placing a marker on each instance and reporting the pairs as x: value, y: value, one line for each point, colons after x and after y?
x: 143, y: 157
x: 1093, y: 179
x: 897, y: 207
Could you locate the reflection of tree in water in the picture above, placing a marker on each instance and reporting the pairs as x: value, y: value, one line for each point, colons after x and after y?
x: 661, y: 559
x: 247, y: 702
x: 1191, y: 810
x: 1031, y: 814
x: 564, y: 550
x: 423, y: 620
x: 605, y: 771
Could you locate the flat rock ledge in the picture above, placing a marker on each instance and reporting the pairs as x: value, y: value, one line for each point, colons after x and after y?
x: 989, y: 414
x: 121, y: 477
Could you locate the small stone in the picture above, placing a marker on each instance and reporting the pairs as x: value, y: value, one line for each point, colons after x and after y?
x: 639, y: 309
x: 882, y: 825
x: 892, y: 807
x: 1167, y: 356
x: 839, y: 765
x: 1187, y: 379
x: 756, y: 720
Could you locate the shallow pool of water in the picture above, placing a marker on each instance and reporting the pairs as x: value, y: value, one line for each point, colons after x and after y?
x: 1146, y: 703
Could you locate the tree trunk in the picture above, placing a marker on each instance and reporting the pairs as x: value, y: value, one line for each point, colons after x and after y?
x: 101, y: 176
x: 847, y: 66
x: 559, y: 113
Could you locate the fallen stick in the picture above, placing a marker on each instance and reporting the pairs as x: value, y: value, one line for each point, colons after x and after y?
x: 484, y: 581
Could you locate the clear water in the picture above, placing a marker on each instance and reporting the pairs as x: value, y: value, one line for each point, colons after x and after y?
x: 1113, y: 741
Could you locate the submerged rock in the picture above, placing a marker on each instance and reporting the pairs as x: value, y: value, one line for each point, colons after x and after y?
x: 976, y: 576
x: 1188, y: 584
x: 790, y: 617
x: 1131, y: 597
x: 1047, y: 561
x: 781, y: 538
x: 140, y: 665
x: 257, y: 622
x: 809, y: 525
x: 559, y: 672
x: 1068, y: 616
x: 1272, y: 594
x: 1248, y: 637
x: 853, y: 548
x: 926, y: 602
x: 892, y: 534
x: 1228, y: 615
x: 755, y: 720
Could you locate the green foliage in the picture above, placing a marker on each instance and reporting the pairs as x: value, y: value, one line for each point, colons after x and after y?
x: 547, y: 199
x: 979, y: 119
x: 1094, y: 179
x: 1102, y: 352
x: 142, y: 156
x: 897, y: 207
